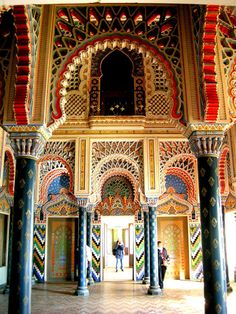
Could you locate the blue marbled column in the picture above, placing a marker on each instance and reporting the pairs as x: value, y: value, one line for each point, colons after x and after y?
x: 212, y: 236
x: 146, y: 279
x: 82, y: 288
x: 22, y: 237
x: 154, y: 287
x: 89, y: 243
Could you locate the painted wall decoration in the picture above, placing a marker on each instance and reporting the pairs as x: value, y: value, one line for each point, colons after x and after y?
x: 139, y: 251
x: 96, y: 252
x: 61, y: 249
x: 117, y: 197
x: 196, y: 251
x: 39, y: 252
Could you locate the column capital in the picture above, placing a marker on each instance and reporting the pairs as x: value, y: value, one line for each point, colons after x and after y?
x: 28, y: 141
x: 206, y: 143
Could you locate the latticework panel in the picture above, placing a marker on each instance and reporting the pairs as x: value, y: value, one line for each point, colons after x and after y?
x: 123, y: 155
x: 34, y: 13
x: 139, y: 251
x: 157, y: 25
x: 227, y: 24
x: 158, y: 105
x: 76, y: 106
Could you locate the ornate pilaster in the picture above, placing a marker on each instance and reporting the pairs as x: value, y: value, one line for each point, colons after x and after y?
x: 27, y: 148
x: 146, y: 279
x: 154, y: 287
x: 206, y: 146
x: 89, y: 243
x: 82, y: 284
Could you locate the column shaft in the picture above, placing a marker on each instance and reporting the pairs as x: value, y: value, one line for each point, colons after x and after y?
x: 212, y: 236
x: 82, y: 271
x: 154, y: 282
x: 146, y: 279
x: 22, y: 237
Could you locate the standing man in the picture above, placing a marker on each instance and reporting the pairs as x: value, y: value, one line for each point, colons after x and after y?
x: 163, y: 259
x: 119, y: 254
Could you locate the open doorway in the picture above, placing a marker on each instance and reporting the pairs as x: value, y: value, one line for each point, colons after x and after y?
x: 173, y: 232
x: 113, y: 228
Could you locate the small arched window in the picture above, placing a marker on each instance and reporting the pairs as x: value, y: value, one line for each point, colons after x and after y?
x: 117, y: 85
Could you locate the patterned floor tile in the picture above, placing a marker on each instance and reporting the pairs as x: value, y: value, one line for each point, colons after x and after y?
x: 119, y: 297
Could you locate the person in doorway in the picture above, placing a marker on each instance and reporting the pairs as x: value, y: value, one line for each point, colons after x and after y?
x: 119, y: 254
x: 88, y: 259
x: 163, y: 260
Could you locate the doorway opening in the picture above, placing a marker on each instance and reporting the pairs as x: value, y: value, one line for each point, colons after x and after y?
x: 173, y: 232
x: 114, y: 228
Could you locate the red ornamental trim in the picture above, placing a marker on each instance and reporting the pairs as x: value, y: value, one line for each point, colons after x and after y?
x: 174, y: 112
x: 20, y: 106
x: 11, y: 171
x: 209, y: 74
x: 222, y: 163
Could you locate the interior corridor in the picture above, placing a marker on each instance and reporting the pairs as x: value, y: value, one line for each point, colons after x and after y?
x: 119, y: 297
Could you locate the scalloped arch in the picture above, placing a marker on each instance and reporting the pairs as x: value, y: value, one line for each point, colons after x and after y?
x: 119, y: 172
x: 58, y: 117
x: 186, y: 178
x: 67, y: 170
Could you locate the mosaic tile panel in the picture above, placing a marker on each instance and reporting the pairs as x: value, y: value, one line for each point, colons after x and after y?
x: 139, y: 251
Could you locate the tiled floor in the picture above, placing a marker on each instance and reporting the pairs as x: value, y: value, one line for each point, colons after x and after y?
x: 114, y: 297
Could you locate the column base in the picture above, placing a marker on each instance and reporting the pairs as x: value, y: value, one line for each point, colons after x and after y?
x: 146, y: 280
x: 154, y: 291
x: 82, y: 291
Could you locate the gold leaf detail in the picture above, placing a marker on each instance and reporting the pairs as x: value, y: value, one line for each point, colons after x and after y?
x: 22, y: 183
x: 28, y: 214
x: 30, y: 174
x: 19, y: 224
x: 202, y: 172
x: 204, y: 191
x: 29, y: 193
x: 211, y: 181
x: 21, y: 203
x: 205, y: 212
x: 214, y: 222
x: 212, y: 201
x: 216, y: 264
x: 206, y: 233
x: 215, y: 243
x: 209, y: 161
